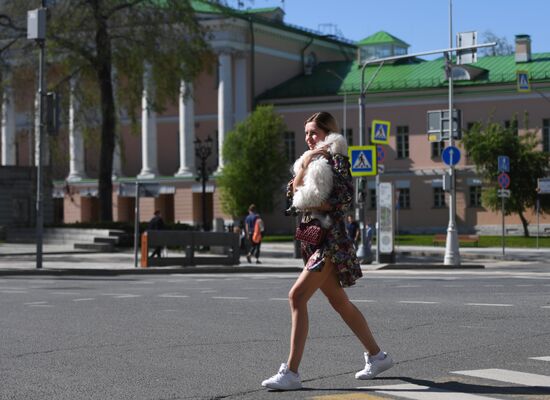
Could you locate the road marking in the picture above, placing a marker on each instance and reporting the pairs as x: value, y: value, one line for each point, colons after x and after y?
x: 279, y: 298
x: 362, y: 301
x: 489, y: 305
x: 508, y: 376
x: 173, y: 295
x: 524, y: 285
x: 348, y: 396
x: 229, y: 298
x: 84, y: 299
x: 209, y: 291
x: 34, y: 303
x: 545, y: 307
x: 69, y: 293
x: 40, y: 305
x: 126, y: 296
x: 7, y: 291
x: 418, y: 302
x: 419, y: 392
x: 540, y: 358
x: 407, y: 286
x: 453, y: 286
x: 493, y: 285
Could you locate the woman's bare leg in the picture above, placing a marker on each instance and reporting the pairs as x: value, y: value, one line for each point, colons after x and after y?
x: 348, y: 311
x: 305, y: 286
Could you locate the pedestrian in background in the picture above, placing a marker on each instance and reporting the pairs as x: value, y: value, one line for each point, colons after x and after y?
x: 249, y: 224
x: 331, y: 264
x: 352, y: 228
x: 156, y: 224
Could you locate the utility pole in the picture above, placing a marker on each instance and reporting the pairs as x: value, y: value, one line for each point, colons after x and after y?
x: 36, y: 30
x: 452, y: 253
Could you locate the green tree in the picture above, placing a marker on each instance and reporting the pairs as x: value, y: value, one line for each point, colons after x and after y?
x: 95, y: 37
x: 484, y: 143
x: 255, y: 165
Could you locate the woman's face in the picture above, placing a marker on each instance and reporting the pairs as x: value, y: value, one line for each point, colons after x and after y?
x: 314, y: 134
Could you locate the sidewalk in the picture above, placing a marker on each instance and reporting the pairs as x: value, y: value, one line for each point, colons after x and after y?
x: 20, y: 259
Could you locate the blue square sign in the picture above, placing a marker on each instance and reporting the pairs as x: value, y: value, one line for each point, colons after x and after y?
x: 362, y: 160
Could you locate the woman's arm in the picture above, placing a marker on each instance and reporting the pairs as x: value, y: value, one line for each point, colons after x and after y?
x: 308, y: 157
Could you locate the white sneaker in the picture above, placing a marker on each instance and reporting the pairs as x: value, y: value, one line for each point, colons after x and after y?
x: 285, y: 379
x: 373, y: 366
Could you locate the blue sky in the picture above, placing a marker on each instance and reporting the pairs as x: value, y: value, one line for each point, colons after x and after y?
x: 424, y: 24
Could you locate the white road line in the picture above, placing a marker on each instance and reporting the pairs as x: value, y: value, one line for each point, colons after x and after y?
x: 363, y: 301
x: 40, y: 305
x: 493, y: 285
x: 209, y: 291
x: 545, y: 307
x: 419, y: 392
x: 34, y: 303
x: 173, y: 295
x: 418, y: 302
x: 455, y: 286
x: 489, y: 305
x: 13, y: 291
x: 229, y: 298
x: 84, y: 299
x: 407, y: 286
x: 279, y: 298
x: 69, y: 293
x: 126, y: 296
x: 508, y: 376
x: 540, y: 358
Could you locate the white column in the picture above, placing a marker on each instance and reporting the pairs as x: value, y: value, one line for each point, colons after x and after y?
x: 77, y: 170
x: 149, y: 168
x: 225, y: 103
x: 8, y: 127
x: 186, y: 130
x: 117, y: 159
x: 241, y: 94
x: 45, y: 138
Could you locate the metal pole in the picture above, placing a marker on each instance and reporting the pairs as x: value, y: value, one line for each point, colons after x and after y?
x: 538, y: 219
x: 452, y: 255
x: 503, y: 231
x: 345, y: 115
x: 136, y: 226
x: 203, y: 179
x: 39, y: 139
x: 378, y: 218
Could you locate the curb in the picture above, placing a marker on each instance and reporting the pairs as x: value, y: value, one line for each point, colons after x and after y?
x: 145, y: 271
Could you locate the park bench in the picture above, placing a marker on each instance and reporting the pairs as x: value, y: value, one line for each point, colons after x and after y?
x: 189, y: 241
x: 441, y: 238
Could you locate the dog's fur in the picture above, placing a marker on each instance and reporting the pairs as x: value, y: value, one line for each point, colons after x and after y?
x: 318, y: 177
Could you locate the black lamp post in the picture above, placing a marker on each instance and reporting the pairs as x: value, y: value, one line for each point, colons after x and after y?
x: 203, y: 150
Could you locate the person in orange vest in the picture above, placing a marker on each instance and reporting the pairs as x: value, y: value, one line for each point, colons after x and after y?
x: 254, y: 227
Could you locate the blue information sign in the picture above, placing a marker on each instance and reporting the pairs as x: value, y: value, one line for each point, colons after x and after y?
x: 451, y: 155
x: 503, y: 164
x: 363, y: 160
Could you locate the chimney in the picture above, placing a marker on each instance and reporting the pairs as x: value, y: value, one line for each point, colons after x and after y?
x: 523, y: 48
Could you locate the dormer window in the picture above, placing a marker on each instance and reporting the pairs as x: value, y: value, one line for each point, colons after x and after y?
x: 381, y: 45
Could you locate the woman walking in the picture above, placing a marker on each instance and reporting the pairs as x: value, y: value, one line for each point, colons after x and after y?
x: 331, y: 264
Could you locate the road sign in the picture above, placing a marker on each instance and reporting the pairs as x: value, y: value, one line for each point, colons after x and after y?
x: 543, y: 185
x: 504, y: 193
x: 522, y: 80
x: 451, y: 155
x: 363, y: 160
x: 503, y: 180
x: 380, y: 131
x: 380, y: 154
x: 503, y: 164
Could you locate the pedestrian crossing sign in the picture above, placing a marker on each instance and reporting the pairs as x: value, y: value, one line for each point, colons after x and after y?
x: 523, y: 84
x: 363, y: 160
x: 380, y: 132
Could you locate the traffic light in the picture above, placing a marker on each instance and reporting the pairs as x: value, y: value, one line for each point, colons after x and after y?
x: 361, y: 190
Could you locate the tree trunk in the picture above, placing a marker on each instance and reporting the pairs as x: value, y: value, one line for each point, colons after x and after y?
x: 108, y: 121
x: 525, y: 224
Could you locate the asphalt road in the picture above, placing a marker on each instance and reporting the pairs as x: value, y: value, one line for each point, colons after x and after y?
x: 218, y: 336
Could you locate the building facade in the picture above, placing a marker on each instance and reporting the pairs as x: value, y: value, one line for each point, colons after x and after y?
x: 263, y: 60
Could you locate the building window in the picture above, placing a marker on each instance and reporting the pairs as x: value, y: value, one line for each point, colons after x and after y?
x: 372, y: 199
x: 404, y: 198
x: 475, y: 196
x: 546, y: 135
x: 439, y: 197
x: 437, y: 149
x: 290, y: 146
x: 402, y: 142
x: 349, y: 135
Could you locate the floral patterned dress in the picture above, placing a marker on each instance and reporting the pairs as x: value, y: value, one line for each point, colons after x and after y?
x: 337, y: 246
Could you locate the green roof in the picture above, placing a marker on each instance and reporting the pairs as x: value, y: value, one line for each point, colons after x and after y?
x: 413, y: 75
x: 382, y: 37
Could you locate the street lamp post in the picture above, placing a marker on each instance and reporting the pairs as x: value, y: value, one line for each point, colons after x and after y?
x: 345, y: 111
x: 203, y: 150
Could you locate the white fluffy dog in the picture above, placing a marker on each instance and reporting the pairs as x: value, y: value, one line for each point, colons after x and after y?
x: 318, y: 177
